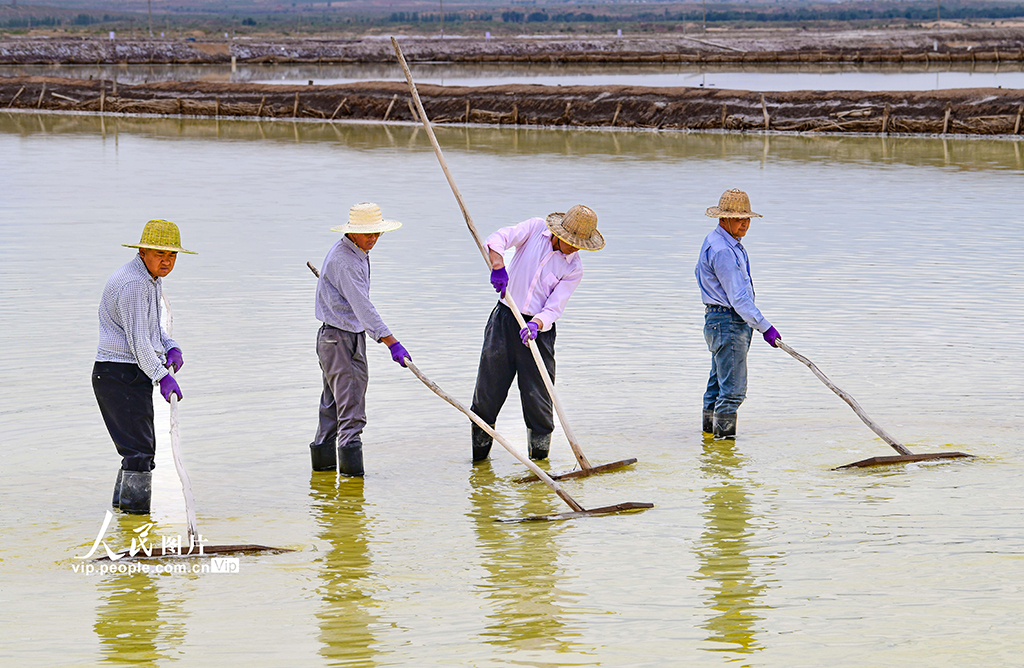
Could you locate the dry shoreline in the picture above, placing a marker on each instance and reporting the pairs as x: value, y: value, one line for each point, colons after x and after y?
x: 980, y: 111
x: 938, y: 43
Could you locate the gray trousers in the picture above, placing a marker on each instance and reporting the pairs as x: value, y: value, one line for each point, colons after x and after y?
x: 343, y: 402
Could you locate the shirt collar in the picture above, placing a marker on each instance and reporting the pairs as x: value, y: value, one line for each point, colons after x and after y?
x: 730, y: 239
x: 141, y: 266
x: 352, y: 245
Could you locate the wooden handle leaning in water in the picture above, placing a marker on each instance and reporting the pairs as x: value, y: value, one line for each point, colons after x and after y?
x: 847, y: 398
x: 573, y: 443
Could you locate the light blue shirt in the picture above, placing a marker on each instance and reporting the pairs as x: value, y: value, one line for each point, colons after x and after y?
x: 723, y: 274
x: 343, y: 292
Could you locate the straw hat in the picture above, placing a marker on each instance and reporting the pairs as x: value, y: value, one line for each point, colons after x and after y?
x: 733, y: 204
x: 366, y: 218
x: 578, y: 227
x: 161, y: 235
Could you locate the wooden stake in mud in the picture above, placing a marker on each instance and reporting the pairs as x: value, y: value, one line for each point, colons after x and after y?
x: 723, y: 116
x: 39, y: 104
x: 390, y: 106
x: 1016, y: 124
x: 615, y: 117
x: 578, y: 510
x: 216, y: 106
x: 259, y: 112
x: 581, y: 459
x: 945, y: 119
x: 338, y: 108
x: 466, y: 120
x: 103, y: 99
x: 905, y: 454
x: 885, y: 118
x: 22, y: 90
x: 767, y: 118
x: 295, y: 110
x: 412, y: 111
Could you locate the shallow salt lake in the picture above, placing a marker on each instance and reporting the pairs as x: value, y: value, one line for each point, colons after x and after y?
x: 893, y: 263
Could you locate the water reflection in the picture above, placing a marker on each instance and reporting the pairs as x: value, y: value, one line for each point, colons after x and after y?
x: 723, y: 553
x: 347, y: 614
x: 527, y: 611
x: 964, y: 154
x: 137, y: 622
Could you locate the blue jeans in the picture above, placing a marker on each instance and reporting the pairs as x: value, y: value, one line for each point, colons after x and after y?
x: 728, y: 338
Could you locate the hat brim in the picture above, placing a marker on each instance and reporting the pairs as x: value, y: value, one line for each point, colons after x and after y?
x: 173, y: 249
x: 382, y: 226
x: 594, y: 243
x: 715, y: 212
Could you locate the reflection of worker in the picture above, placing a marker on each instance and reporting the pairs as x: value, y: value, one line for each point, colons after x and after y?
x: 544, y: 272
x: 723, y: 274
x: 343, y: 305
x: 133, y: 353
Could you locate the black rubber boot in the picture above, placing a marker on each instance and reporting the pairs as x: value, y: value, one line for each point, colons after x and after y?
x: 725, y: 425
x: 350, y: 458
x: 136, y: 491
x: 481, y: 443
x: 708, y: 424
x: 323, y: 456
x: 117, y: 491
x: 540, y: 444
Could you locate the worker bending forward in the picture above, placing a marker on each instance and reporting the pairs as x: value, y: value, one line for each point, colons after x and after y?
x: 730, y: 316
x: 343, y: 305
x: 543, y: 274
x: 133, y: 353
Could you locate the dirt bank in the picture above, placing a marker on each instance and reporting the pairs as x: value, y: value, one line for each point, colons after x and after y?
x: 937, y: 43
x: 961, y: 111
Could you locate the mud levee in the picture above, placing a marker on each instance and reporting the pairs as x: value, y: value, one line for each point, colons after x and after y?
x: 976, y: 111
x: 937, y: 44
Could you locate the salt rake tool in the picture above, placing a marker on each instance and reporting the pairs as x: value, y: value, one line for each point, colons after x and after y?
x: 905, y: 454
x: 195, y: 549
x: 577, y: 509
x: 585, y: 467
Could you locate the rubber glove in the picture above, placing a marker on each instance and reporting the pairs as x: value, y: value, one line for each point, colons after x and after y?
x: 499, y: 279
x: 529, y: 332
x: 399, y: 353
x: 771, y: 336
x: 169, y: 386
x: 174, y: 359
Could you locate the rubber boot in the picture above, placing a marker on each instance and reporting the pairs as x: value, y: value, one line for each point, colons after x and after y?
x: 708, y: 424
x: 725, y: 425
x: 350, y: 458
x: 136, y: 491
x: 117, y: 491
x: 323, y: 456
x: 481, y: 443
x: 540, y: 444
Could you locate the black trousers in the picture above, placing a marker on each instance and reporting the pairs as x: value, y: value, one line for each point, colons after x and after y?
x: 125, y: 396
x: 503, y: 358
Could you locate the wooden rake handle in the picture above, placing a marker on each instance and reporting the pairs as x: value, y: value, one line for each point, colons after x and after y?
x: 577, y: 451
x: 874, y: 426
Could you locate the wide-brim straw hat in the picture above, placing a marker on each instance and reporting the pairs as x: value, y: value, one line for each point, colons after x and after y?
x: 733, y: 204
x: 366, y: 218
x: 161, y: 235
x: 577, y: 227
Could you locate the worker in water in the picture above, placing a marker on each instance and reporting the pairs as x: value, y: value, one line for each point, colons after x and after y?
x: 133, y: 353
x: 543, y: 274
x: 343, y: 306
x: 730, y: 316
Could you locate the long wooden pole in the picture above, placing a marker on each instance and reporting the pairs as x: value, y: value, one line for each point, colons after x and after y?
x: 573, y: 443
x: 179, y: 463
x: 874, y: 426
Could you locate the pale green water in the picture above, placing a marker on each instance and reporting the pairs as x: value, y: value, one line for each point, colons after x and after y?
x: 894, y: 264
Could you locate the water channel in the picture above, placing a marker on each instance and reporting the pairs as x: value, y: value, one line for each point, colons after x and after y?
x: 783, y: 77
x: 893, y: 263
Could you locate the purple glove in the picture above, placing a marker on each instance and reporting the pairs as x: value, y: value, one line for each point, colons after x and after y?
x: 529, y: 332
x: 499, y: 279
x: 169, y: 386
x: 399, y: 353
x: 771, y: 336
x: 174, y: 359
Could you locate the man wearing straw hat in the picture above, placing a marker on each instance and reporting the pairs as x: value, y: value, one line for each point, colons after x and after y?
x: 543, y: 274
x: 133, y: 353
x: 343, y: 305
x: 730, y: 316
